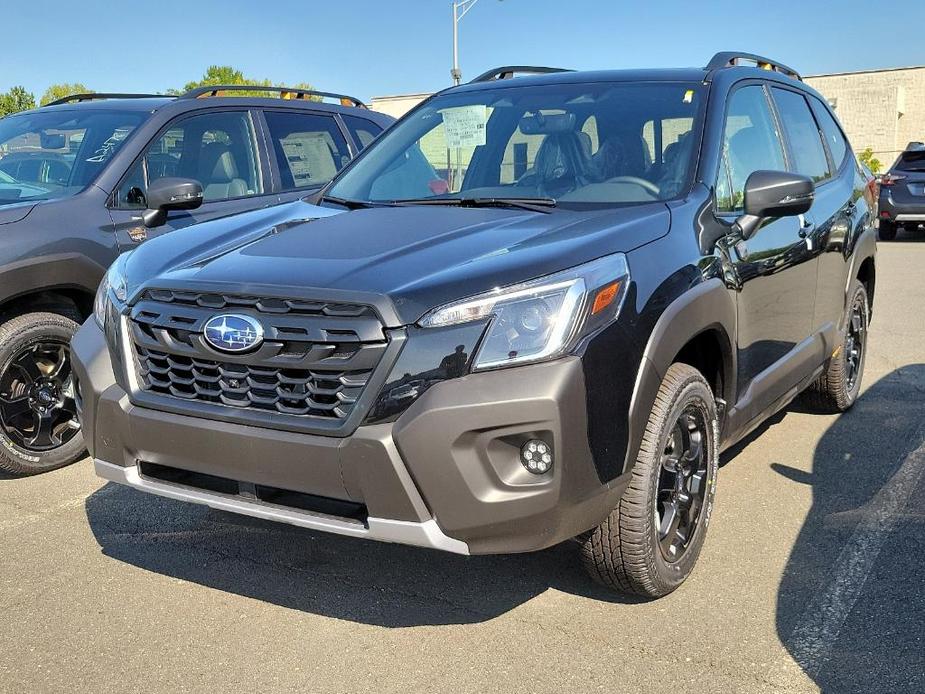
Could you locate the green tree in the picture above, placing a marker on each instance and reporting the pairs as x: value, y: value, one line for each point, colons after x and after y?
x: 867, y: 158
x: 16, y: 100
x: 59, y: 91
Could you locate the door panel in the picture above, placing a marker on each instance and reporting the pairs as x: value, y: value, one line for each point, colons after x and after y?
x: 775, y: 270
x: 130, y: 231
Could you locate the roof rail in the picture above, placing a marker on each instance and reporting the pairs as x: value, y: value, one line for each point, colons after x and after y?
x: 102, y: 95
x: 508, y: 71
x: 733, y: 58
x: 284, y: 92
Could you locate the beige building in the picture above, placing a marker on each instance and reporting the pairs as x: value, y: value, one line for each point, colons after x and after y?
x: 880, y: 109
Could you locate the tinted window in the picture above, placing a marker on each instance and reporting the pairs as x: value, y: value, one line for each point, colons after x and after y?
x: 806, y: 147
x: 363, y: 131
x: 309, y: 148
x: 54, y: 154
x: 582, y: 144
x: 838, y: 146
x: 217, y: 149
x: 910, y: 161
x: 750, y: 143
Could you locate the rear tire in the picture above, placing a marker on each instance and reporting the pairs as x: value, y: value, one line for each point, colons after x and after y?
x: 837, y: 389
x: 34, y: 364
x: 631, y: 551
x: 887, y: 230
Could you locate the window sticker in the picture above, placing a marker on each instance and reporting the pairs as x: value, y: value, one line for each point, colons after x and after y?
x: 464, y: 126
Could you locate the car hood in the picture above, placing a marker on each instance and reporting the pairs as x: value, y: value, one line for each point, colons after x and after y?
x: 404, y: 260
x: 11, y: 212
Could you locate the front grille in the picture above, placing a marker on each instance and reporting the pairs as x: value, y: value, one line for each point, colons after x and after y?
x: 315, y: 361
x: 288, y: 391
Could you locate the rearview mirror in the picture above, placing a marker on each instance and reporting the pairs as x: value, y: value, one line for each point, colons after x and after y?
x: 547, y: 124
x: 774, y: 194
x: 51, y: 141
x: 170, y: 193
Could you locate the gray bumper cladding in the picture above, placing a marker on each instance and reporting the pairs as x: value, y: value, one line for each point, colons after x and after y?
x: 423, y: 534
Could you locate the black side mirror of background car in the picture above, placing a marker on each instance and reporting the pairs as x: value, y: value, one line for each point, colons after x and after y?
x: 170, y: 193
x: 774, y: 194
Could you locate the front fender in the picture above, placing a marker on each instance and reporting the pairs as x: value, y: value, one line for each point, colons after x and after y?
x: 709, y: 306
x: 41, y: 273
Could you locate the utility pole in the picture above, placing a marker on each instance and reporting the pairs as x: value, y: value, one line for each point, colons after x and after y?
x: 460, y: 8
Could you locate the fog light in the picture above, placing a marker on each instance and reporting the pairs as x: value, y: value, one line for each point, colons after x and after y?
x: 536, y: 455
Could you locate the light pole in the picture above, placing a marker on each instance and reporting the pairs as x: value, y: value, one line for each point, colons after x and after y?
x: 460, y: 8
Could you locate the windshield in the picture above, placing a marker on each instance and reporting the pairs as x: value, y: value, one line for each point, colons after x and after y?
x: 579, y: 144
x: 55, y: 154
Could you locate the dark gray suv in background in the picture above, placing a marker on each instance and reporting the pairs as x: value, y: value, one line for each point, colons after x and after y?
x: 75, y: 181
x: 535, y: 309
x: 902, y: 193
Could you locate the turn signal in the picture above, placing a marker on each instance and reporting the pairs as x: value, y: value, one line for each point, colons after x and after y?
x: 605, y: 297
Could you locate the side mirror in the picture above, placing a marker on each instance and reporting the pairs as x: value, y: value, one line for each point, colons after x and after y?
x: 774, y: 194
x: 167, y: 194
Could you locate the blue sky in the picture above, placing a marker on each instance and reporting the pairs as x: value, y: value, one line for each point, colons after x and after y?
x: 375, y: 47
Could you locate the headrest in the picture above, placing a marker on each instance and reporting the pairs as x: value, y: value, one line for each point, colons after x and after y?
x: 217, y: 164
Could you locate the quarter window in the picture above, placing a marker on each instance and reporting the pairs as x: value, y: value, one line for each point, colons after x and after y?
x: 802, y: 132
x: 363, y: 131
x: 838, y: 146
x: 309, y: 148
x: 751, y: 143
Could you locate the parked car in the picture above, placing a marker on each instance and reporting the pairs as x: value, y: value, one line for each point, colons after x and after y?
x: 902, y: 193
x: 74, y: 181
x: 637, y: 268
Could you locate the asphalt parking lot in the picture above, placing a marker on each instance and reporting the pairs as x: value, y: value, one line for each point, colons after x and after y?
x: 812, y: 577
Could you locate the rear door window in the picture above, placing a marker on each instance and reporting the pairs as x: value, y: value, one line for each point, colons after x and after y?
x: 309, y: 148
x: 838, y: 145
x: 806, y: 149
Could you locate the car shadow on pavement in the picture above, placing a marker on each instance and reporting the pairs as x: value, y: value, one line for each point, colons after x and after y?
x: 851, y: 603
x: 346, y: 578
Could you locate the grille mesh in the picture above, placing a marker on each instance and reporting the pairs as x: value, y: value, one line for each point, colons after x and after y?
x: 315, y: 361
x: 288, y: 391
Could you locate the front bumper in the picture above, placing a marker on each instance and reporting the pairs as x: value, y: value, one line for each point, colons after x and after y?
x: 446, y: 474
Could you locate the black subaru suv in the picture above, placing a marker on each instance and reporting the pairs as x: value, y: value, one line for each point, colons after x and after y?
x: 535, y: 309
x: 902, y: 193
x: 76, y: 178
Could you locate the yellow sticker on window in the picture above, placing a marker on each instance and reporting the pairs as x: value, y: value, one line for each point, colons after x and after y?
x: 688, y: 96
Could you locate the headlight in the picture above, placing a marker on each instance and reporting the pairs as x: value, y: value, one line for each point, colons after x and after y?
x: 540, y: 319
x: 113, y: 281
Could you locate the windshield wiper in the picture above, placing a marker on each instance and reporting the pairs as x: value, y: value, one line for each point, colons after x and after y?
x: 532, y: 204
x: 353, y: 204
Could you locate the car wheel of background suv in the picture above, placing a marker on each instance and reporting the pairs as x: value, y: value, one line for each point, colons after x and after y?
x: 650, y: 542
x: 38, y: 414
x: 887, y: 230
x: 838, y: 388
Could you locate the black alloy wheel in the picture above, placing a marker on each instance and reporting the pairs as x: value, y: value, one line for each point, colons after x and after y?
x: 37, y: 406
x: 855, y: 341
x: 682, y: 483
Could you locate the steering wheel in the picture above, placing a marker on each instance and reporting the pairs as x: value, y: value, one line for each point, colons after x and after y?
x: 641, y: 182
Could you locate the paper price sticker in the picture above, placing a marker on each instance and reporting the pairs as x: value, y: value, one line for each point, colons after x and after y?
x: 464, y: 126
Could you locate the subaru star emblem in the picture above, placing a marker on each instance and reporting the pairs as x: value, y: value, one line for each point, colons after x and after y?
x: 230, y: 332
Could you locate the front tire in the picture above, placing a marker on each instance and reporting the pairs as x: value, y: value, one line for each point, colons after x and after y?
x: 38, y: 415
x: 650, y: 542
x: 837, y: 389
